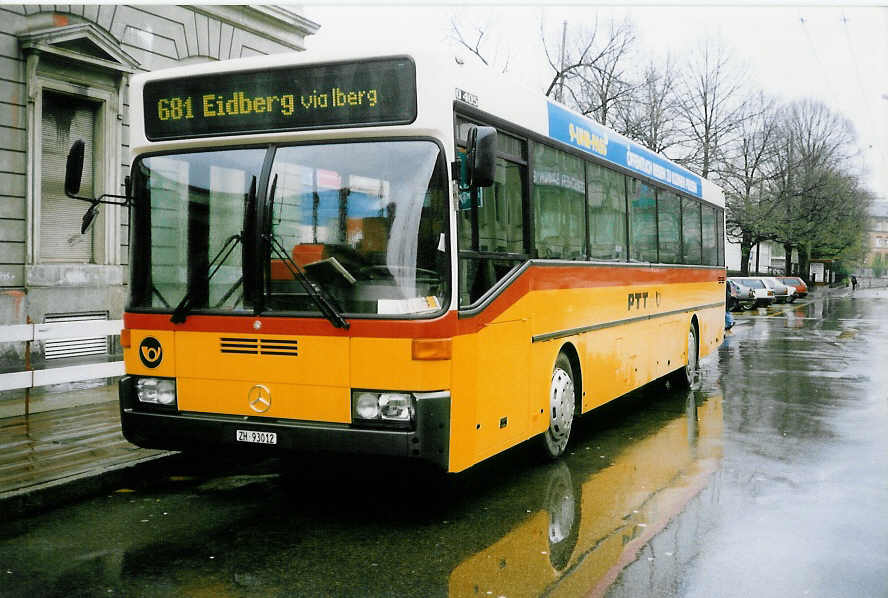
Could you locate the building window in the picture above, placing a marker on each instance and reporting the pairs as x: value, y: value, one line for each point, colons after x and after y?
x: 75, y: 79
x: 65, y: 119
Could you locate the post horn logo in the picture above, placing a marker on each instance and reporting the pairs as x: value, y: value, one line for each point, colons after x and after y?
x: 259, y: 398
x: 150, y: 352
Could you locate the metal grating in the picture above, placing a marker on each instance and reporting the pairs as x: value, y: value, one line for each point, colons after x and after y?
x: 259, y: 346
x: 75, y: 347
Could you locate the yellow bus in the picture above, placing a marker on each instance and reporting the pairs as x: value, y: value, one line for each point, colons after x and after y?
x: 397, y: 254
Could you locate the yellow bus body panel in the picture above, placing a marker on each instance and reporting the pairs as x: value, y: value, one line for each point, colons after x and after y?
x: 167, y: 365
x: 388, y: 364
x: 311, y: 384
x: 500, y: 373
x: 288, y: 401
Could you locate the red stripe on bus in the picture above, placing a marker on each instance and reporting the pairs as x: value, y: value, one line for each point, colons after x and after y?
x: 536, y: 277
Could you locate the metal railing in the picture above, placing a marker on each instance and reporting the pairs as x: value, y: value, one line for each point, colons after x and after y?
x: 28, y: 333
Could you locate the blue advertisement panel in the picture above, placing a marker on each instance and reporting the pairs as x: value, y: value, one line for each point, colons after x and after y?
x: 589, y: 136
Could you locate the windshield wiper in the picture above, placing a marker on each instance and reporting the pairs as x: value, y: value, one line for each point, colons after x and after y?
x: 315, y: 292
x: 181, y: 311
x: 185, y: 305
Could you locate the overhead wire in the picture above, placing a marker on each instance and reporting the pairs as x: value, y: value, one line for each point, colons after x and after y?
x: 860, y: 85
x: 825, y: 80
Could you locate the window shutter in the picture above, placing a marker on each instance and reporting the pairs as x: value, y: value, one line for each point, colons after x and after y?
x: 65, y: 119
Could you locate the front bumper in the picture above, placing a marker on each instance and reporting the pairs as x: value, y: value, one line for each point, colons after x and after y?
x: 175, y: 430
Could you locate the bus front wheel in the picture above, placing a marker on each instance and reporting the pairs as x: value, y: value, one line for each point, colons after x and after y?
x: 684, y: 377
x: 562, y: 404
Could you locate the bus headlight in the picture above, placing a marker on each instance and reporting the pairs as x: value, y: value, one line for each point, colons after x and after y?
x: 367, y: 405
x: 396, y: 407
x: 156, y: 391
x: 380, y: 407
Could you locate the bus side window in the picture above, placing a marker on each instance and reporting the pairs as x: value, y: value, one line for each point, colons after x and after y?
x: 606, y: 204
x: 558, y: 199
x: 500, y: 230
x: 669, y: 227
x: 710, y: 245
x: 642, y: 222
x: 692, y: 250
x: 500, y: 214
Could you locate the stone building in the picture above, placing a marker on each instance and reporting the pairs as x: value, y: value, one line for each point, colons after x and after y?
x: 64, y: 75
x: 877, y: 254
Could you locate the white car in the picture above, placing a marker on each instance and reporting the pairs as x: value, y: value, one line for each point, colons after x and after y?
x: 764, y: 296
x: 783, y: 293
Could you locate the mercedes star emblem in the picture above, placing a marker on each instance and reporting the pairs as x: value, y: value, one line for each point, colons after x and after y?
x: 259, y: 398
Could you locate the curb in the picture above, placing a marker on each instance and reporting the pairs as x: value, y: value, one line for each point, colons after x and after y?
x: 48, y: 495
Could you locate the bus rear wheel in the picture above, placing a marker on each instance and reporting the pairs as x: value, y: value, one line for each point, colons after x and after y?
x: 684, y: 377
x: 562, y: 405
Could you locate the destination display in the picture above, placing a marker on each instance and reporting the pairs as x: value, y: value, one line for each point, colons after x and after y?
x: 369, y: 93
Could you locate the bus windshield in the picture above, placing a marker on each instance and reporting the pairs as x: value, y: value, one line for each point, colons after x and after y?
x: 366, y: 221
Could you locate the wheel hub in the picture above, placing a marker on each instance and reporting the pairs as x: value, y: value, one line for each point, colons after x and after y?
x: 561, y: 406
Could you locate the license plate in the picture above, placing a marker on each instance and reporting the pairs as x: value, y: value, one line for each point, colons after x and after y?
x: 257, y: 437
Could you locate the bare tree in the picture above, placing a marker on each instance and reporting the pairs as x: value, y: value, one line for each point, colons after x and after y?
x: 745, y: 175
x: 588, y: 67
x: 649, y: 116
x: 606, y: 85
x: 475, y: 44
x: 815, y: 165
x: 710, y: 105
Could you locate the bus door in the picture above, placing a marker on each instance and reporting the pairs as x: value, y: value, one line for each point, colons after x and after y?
x: 492, y: 243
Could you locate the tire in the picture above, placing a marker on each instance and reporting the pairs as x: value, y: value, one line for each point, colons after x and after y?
x: 562, y: 405
x: 683, y: 377
x: 746, y: 306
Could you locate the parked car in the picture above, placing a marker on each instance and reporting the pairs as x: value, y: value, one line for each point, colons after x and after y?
x: 782, y: 293
x: 763, y: 295
x: 738, y: 296
x: 795, y: 282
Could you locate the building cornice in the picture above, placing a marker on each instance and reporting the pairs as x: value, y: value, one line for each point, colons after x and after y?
x: 271, y: 22
x: 45, y: 40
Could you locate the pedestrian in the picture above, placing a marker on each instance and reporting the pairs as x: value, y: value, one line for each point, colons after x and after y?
x: 853, y: 282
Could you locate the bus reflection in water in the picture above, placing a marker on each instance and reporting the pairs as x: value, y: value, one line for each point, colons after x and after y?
x: 589, y: 529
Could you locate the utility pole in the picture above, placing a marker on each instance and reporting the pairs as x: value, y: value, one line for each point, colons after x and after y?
x: 561, y: 63
x: 787, y: 246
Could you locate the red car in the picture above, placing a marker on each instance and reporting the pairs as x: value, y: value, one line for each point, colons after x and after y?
x: 794, y: 281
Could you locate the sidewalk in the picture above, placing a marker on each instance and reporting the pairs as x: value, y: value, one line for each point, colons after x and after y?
x: 63, y: 454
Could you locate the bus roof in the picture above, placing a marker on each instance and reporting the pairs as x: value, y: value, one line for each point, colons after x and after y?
x: 442, y: 82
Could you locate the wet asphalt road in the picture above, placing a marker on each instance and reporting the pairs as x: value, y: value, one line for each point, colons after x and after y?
x: 769, y: 479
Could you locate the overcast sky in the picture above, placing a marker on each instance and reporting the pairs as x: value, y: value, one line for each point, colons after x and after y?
x: 834, y: 53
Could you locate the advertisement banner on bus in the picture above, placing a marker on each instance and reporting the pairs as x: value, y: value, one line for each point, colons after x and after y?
x: 584, y: 133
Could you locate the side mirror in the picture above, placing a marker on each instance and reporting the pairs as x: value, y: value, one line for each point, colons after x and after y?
x: 482, y: 156
x: 88, y: 218
x: 74, y: 169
